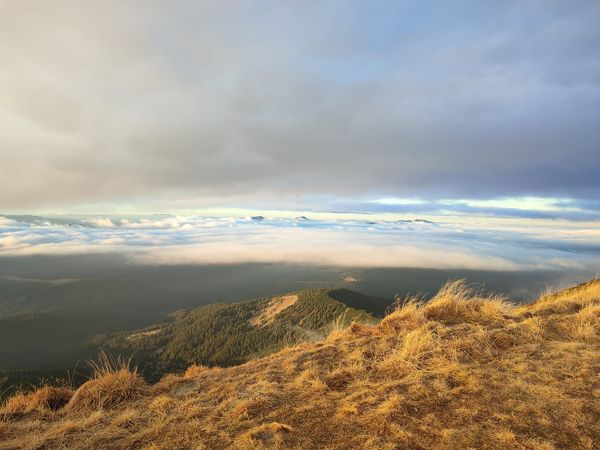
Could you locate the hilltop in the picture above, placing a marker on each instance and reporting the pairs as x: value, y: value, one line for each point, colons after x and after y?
x: 229, y: 334
x: 460, y: 371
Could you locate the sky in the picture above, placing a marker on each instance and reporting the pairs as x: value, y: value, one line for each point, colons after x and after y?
x: 479, y: 117
x: 152, y: 106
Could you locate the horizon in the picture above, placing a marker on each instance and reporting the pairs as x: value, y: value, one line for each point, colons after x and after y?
x: 442, y: 241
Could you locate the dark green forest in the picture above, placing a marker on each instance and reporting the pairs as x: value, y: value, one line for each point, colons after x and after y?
x: 222, y: 335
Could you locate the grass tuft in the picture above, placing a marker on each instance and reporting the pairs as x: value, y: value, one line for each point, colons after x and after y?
x: 43, y: 399
x: 113, y: 382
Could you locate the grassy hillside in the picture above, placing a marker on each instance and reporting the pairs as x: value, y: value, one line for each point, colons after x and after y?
x: 229, y: 334
x: 460, y: 371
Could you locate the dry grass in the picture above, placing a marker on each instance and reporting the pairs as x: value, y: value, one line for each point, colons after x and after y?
x: 462, y: 371
x: 43, y: 399
x: 113, y: 382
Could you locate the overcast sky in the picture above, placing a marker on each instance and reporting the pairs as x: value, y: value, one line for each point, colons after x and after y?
x: 298, y: 105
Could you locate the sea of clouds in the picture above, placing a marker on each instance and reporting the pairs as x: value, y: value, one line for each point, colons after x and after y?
x: 445, y: 243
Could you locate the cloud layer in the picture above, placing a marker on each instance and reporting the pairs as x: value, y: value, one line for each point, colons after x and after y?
x: 478, y: 243
x: 279, y: 103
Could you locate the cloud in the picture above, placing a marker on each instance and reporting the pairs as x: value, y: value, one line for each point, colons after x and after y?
x: 290, y: 247
x: 6, y: 222
x: 101, y: 222
x: 195, y: 104
x: 448, y: 243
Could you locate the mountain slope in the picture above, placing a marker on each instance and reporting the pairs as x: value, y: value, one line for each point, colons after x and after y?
x: 457, y: 372
x: 229, y: 334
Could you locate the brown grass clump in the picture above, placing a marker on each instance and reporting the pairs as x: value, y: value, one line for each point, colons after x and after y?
x: 270, y: 435
x: 585, y: 324
x: 43, y: 399
x: 194, y: 370
x: 113, y: 382
x: 456, y: 302
x: 462, y: 371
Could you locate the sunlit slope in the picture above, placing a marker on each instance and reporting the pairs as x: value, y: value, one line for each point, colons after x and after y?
x: 229, y: 334
x: 458, y: 372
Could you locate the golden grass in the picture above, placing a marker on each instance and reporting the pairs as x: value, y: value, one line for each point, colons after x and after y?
x: 113, y: 382
x: 43, y: 399
x: 461, y: 371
